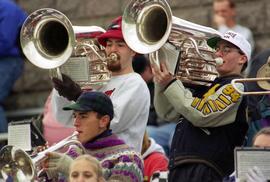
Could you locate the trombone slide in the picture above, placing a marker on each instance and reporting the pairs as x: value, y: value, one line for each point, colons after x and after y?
x: 243, y: 80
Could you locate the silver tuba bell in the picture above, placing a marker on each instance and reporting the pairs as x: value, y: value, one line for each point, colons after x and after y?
x: 149, y: 28
x: 49, y: 41
x: 17, y: 165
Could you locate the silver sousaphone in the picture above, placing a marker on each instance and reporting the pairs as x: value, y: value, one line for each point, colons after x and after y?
x: 149, y: 28
x: 49, y: 41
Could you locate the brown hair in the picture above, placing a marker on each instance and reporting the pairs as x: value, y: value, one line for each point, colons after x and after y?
x: 231, y: 2
x: 146, y: 143
x: 99, y: 116
x: 263, y: 131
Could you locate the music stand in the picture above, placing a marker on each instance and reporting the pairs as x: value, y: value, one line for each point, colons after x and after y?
x: 25, y: 135
x: 246, y: 158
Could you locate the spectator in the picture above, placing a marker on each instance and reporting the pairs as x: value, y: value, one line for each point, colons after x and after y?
x: 11, y: 60
x: 155, y: 160
x: 212, y: 122
x: 86, y: 168
x: 127, y: 89
x: 93, y: 112
x: 225, y: 19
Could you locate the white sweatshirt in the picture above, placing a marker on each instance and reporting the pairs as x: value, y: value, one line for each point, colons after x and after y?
x: 131, y: 101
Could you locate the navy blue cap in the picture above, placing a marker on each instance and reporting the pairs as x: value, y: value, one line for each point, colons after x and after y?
x: 93, y: 101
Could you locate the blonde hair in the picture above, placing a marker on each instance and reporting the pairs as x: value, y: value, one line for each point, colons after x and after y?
x: 93, y: 162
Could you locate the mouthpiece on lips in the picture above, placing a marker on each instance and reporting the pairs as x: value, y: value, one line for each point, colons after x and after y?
x: 114, y: 56
x: 219, y: 61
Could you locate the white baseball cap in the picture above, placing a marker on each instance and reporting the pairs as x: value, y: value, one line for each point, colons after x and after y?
x: 236, y: 39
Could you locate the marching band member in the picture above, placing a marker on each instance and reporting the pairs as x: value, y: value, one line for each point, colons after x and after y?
x: 93, y: 112
x: 212, y: 121
x: 128, y: 91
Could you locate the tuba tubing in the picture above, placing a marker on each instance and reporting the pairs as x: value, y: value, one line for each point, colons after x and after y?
x: 150, y: 28
x: 147, y: 26
x: 49, y: 41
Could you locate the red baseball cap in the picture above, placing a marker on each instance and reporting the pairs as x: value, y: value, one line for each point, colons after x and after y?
x: 113, y: 31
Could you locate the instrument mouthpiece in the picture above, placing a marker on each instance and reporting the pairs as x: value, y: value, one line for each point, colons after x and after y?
x: 113, y: 57
x: 219, y: 61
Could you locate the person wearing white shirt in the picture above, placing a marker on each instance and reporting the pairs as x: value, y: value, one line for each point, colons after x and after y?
x: 128, y: 91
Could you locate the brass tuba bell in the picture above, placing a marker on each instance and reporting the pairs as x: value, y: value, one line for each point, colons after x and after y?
x: 49, y: 41
x: 149, y: 28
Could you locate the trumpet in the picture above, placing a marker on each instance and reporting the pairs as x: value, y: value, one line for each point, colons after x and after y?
x: 16, y: 164
x: 50, y: 41
x: 149, y: 28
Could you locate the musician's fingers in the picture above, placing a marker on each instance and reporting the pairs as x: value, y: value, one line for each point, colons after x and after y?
x: 153, y: 71
x: 156, y: 74
x: 44, y: 164
x: 155, y: 68
x: 164, y: 68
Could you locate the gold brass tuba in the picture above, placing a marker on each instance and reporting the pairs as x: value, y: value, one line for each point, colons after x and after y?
x: 19, y: 166
x: 49, y: 41
x: 149, y: 28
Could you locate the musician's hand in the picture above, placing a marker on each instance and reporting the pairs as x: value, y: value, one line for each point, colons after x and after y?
x: 57, y: 163
x: 67, y: 88
x: 255, y: 175
x: 161, y: 75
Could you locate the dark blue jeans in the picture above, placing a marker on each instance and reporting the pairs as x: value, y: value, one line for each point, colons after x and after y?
x: 10, y: 70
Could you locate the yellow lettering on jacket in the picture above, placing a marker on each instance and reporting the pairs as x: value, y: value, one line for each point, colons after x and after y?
x: 195, y: 102
x: 230, y: 91
x: 206, y: 109
x: 212, y: 105
x: 207, y: 105
x: 201, y: 105
x: 224, y: 99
